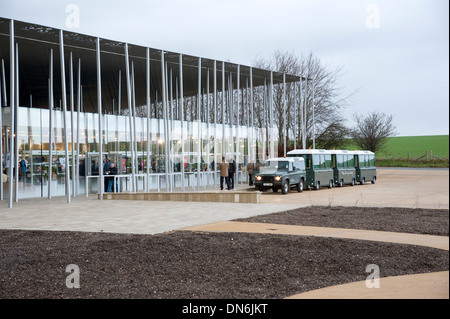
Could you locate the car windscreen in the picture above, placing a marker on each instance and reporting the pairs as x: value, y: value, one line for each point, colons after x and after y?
x: 275, y: 166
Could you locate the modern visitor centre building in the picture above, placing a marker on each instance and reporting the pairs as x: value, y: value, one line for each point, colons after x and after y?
x: 69, y: 102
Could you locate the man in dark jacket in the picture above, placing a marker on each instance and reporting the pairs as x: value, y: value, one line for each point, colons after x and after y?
x: 112, y: 171
x: 231, y: 171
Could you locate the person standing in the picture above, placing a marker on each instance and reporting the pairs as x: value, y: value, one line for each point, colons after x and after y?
x: 223, y: 168
x: 250, y: 172
x: 110, y: 179
x: 231, y: 172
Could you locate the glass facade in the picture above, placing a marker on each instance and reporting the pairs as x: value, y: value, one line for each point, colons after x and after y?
x: 164, y: 119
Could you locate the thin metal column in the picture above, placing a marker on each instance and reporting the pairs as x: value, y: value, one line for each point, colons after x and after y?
x: 182, y: 122
x: 74, y: 177
x: 147, y: 82
x: 127, y: 74
x: 164, y: 101
x: 284, y: 113
x: 64, y: 102
x: 271, y: 139
x: 11, y: 105
x: 1, y: 141
x: 215, y: 121
x: 170, y: 126
x: 199, y: 121
x: 313, y: 116
x: 134, y: 144
x: 4, y: 83
x: 223, y: 109
x: 16, y: 126
x: 238, y: 124
x: 208, y: 133
x: 78, y: 125
x: 100, y: 124
x: 50, y: 126
x: 253, y: 122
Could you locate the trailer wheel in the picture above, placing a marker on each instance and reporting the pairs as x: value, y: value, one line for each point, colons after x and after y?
x: 317, y: 187
x: 363, y: 181
x: 374, y: 179
x: 330, y: 184
x: 353, y: 182
x: 341, y: 183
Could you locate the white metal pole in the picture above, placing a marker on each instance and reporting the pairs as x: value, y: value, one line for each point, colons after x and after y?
x: 64, y: 102
x: 238, y: 124
x: 164, y: 101
x: 74, y: 177
x: 199, y: 140
x: 223, y: 109
x: 50, y: 126
x: 78, y: 124
x: 284, y: 113
x: 16, y: 126
x: 147, y: 81
x: 271, y: 140
x: 11, y: 106
x: 1, y: 141
x: 182, y: 122
x: 127, y: 73
x: 252, y: 119
x: 313, y: 116
x: 215, y: 121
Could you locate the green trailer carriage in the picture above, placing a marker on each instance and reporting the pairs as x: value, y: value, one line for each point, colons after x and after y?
x: 365, y: 166
x: 318, y: 163
x: 344, y: 170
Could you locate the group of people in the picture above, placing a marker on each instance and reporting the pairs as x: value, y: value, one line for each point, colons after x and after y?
x: 228, y: 170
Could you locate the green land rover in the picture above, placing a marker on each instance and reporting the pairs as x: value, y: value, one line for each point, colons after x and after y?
x: 281, y: 173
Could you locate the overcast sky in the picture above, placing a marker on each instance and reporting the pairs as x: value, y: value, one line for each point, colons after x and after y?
x: 395, y: 53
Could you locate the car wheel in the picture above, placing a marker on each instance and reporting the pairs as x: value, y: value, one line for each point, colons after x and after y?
x: 353, y: 182
x: 330, y: 184
x: 341, y: 183
x: 317, y: 185
x: 285, y: 188
x: 363, y: 181
x: 300, y: 186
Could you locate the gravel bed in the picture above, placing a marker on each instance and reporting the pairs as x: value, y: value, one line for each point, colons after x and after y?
x: 406, y: 220
x: 192, y: 265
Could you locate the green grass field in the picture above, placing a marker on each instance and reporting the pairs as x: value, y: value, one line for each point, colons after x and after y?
x: 414, y: 151
x: 417, y: 146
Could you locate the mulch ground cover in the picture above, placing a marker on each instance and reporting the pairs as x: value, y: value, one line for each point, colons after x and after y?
x: 185, y: 264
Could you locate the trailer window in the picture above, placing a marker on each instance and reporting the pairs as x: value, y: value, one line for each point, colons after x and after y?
x: 316, y: 161
x: 351, y: 161
x: 327, y: 161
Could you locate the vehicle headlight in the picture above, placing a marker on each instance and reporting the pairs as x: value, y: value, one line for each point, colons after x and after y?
x: 278, y: 178
x: 258, y: 178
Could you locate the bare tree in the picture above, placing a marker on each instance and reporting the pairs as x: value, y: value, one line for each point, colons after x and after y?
x: 330, y: 130
x: 372, y: 130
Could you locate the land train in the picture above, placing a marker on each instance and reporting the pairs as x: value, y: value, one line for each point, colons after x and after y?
x: 336, y: 167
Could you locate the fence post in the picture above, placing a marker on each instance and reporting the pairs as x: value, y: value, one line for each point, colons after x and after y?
x: 431, y: 155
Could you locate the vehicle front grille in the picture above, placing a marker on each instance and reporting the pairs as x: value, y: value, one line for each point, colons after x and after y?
x: 268, y: 179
